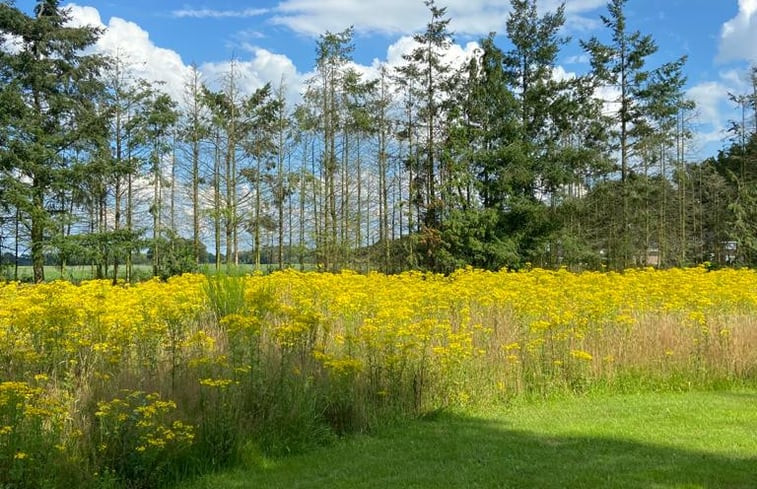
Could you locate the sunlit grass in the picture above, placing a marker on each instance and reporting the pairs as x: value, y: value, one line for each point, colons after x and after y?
x: 696, y: 440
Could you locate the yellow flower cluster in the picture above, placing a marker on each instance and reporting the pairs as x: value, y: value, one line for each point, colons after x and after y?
x: 142, y: 420
x: 45, y: 326
x: 421, y: 337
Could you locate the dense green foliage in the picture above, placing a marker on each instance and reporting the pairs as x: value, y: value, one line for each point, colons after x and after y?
x: 494, y: 161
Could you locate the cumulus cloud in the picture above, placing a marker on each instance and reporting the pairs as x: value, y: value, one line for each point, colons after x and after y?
x: 738, y: 37
x: 714, y: 107
x: 473, y: 17
x: 709, y: 97
x: 711, y: 104
x: 129, y: 41
x: 263, y: 67
x: 132, y: 42
x: 156, y: 64
x: 455, y: 56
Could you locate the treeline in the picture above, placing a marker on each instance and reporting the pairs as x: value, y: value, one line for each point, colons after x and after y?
x: 493, y: 161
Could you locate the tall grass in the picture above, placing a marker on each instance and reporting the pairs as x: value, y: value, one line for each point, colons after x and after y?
x: 137, y: 386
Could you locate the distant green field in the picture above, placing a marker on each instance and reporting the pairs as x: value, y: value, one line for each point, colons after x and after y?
x: 78, y: 273
x: 75, y: 273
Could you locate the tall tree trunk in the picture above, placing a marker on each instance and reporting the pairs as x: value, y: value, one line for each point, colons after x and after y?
x: 16, y: 238
x: 229, y: 208
x: 196, y: 200
x: 303, y: 196
x: 359, y: 203
x: 117, y: 198
x: 129, y: 228
x: 217, y: 200
x: 256, y: 227
x: 156, y: 205
x: 383, y: 175
x: 173, y: 187
x: 343, y: 197
x: 38, y: 231
x: 318, y: 219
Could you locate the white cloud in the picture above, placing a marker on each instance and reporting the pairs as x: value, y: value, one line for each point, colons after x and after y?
x: 559, y: 73
x: 714, y: 109
x: 218, y: 14
x: 81, y: 16
x: 477, y: 17
x: 130, y: 41
x: 263, y: 67
x: 249, y: 34
x: 10, y: 43
x: 455, y: 56
x: 157, y: 64
x: 709, y: 97
x: 738, y: 36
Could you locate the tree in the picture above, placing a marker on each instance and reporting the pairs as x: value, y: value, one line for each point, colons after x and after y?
x: 161, y: 116
x: 426, y: 71
x: 333, y: 51
x: 195, y: 129
x: 263, y: 123
x: 664, y: 102
x: 537, y: 160
x: 285, y: 181
x: 125, y: 101
x: 620, y: 65
x: 483, y: 127
x: 381, y: 102
x: 48, y: 94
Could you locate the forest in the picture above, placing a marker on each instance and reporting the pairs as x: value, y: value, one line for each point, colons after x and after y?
x: 494, y: 162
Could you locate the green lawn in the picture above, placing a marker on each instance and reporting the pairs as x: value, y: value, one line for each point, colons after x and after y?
x: 694, y: 440
x: 75, y: 273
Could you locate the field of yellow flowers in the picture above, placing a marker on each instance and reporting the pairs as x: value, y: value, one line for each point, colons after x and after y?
x: 136, y: 385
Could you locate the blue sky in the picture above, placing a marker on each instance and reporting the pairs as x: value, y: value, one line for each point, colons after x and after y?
x: 275, y: 39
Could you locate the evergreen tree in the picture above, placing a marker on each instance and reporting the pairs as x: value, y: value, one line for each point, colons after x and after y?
x: 160, y: 119
x: 483, y: 126
x: 428, y: 74
x: 48, y: 94
x: 621, y: 65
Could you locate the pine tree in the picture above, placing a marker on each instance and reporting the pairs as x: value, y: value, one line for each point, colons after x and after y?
x: 539, y: 163
x: 428, y: 73
x: 620, y: 66
x: 48, y: 91
x: 160, y: 119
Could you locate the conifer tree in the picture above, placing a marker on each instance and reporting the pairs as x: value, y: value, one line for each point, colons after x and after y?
x: 48, y: 94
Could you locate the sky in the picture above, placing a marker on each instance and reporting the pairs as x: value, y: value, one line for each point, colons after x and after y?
x: 274, y: 40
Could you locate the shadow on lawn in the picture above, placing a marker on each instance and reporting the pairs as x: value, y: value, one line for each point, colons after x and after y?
x: 459, y: 452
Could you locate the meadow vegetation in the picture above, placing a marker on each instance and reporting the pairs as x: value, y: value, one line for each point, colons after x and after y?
x: 142, y: 385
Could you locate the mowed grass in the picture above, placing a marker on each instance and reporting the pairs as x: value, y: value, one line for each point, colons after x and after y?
x: 696, y: 440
